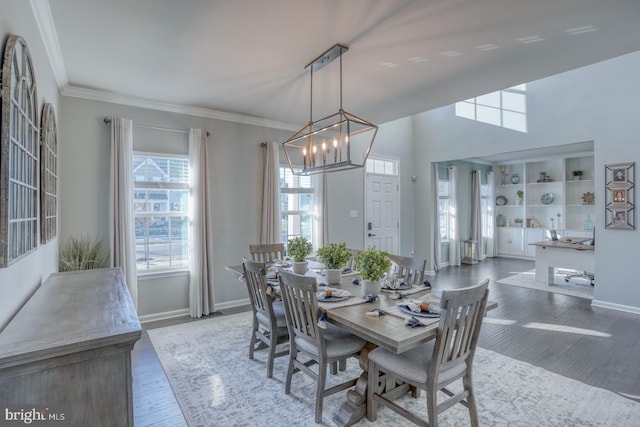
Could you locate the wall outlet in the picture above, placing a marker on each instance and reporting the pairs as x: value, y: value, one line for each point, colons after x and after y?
x: 353, y: 213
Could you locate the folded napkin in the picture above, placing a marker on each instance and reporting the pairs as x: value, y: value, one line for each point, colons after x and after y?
x: 391, y: 281
x: 414, y: 305
x: 412, y: 322
x: 322, y: 293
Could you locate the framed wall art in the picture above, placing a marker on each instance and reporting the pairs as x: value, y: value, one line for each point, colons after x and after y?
x: 620, y: 196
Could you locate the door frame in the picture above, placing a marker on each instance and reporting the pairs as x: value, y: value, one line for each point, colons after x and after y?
x: 396, y: 160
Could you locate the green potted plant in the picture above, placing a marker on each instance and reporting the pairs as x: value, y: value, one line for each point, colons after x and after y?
x: 82, y: 253
x: 299, y: 248
x: 577, y: 175
x: 520, y: 194
x: 373, y: 264
x: 334, y: 256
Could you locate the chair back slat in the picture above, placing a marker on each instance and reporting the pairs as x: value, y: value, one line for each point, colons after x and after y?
x: 408, y: 269
x: 301, y: 306
x: 459, y: 328
x: 267, y: 252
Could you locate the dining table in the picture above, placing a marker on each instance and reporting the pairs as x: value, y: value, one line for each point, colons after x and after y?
x: 382, y: 322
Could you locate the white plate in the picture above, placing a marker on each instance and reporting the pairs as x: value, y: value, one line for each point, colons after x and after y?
x: 421, y: 314
x: 334, y: 299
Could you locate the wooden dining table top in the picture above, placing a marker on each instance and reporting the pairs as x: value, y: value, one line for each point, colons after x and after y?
x: 388, y: 331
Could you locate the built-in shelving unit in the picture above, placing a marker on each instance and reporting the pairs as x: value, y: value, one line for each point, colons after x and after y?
x: 552, y: 198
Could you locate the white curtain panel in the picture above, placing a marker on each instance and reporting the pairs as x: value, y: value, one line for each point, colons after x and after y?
x: 454, y: 227
x: 270, y: 225
x: 437, y: 255
x: 489, y: 224
x: 476, y: 210
x: 201, y: 297
x: 321, y: 211
x: 122, y: 242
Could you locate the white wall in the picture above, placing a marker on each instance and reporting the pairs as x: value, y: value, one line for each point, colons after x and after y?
x: 22, y: 278
x: 598, y: 103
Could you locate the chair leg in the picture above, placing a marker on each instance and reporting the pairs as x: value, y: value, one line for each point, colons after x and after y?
x: 342, y: 365
x: 467, y: 382
x: 432, y: 404
x: 292, y: 355
x: 372, y: 384
x: 252, y: 342
x: 322, y: 378
x: 272, y: 354
x: 334, y: 368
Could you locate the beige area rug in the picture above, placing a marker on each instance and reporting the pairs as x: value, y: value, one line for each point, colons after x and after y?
x: 216, y: 384
x: 577, y: 287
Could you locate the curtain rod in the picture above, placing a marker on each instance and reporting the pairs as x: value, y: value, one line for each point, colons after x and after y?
x: 107, y: 120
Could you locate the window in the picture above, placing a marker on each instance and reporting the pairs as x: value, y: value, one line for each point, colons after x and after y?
x: 48, y: 175
x: 161, y: 212
x: 506, y: 108
x: 382, y: 167
x: 296, y: 205
x: 443, y: 209
x: 20, y: 146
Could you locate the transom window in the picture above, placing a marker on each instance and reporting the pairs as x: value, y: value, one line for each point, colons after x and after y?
x: 506, y: 108
x: 161, y: 212
x: 382, y: 167
x: 296, y: 205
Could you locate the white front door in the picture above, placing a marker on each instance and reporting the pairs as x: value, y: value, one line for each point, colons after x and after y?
x: 382, y: 223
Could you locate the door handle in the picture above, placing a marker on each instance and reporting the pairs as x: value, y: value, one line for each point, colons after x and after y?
x: 371, y: 235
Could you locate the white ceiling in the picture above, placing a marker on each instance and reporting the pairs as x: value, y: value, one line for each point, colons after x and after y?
x: 247, y: 57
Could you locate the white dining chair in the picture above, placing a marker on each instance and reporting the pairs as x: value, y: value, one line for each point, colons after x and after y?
x: 408, y: 269
x: 435, y: 365
x: 269, y: 323
x: 311, y: 344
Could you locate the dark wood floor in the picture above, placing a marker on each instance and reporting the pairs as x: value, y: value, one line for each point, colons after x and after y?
x: 560, y: 333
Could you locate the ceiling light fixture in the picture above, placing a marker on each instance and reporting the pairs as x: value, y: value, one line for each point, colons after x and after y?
x: 337, y: 142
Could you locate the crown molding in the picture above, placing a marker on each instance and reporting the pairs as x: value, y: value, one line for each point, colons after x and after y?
x: 44, y: 21
x: 99, y: 95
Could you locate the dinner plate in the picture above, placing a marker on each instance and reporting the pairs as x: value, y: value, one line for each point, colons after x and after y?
x: 547, y: 198
x: 406, y: 310
x: 403, y: 287
x: 501, y: 201
x: 335, y: 299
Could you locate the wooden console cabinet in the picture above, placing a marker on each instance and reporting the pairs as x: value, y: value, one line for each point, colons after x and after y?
x: 68, y: 350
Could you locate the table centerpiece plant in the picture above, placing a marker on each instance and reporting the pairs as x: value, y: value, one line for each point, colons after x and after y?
x: 334, y: 256
x: 373, y: 264
x: 299, y: 248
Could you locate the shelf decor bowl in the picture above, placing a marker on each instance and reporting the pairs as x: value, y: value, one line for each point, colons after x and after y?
x: 547, y: 198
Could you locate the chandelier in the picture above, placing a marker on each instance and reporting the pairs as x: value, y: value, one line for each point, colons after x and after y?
x: 337, y: 142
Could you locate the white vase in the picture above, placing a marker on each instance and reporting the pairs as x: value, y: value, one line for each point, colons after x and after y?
x: 333, y: 276
x: 370, y: 287
x: 299, y: 267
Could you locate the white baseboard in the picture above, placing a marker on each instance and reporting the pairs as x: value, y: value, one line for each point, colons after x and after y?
x: 185, y: 311
x: 618, y: 307
x: 163, y: 316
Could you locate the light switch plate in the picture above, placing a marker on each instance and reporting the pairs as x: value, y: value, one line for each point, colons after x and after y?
x: 353, y: 213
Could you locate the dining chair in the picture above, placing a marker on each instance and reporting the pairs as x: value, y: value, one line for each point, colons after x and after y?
x: 351, y: 264
x: 409, y: 270
x: 269, y: 322
x: 267, y: 252
x: 311, y: 344
x: 436, y: 364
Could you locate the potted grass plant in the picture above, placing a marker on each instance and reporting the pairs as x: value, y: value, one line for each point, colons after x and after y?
x: 299, y: 248
x: 373, y: 264
x: 82, y: 253
x: 334, y: 256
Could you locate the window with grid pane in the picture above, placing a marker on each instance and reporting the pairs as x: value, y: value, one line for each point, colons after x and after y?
x: 19, y: 162
x: 443, y: 209
x: 296, y: 205
x: 161, y: 212
x: 48, y: 175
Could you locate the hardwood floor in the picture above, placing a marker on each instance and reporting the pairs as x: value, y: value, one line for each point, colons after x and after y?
x: 560, y: 333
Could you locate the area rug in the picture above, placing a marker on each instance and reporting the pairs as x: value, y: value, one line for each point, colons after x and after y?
x: 575, y: 287
x: 216, y: 384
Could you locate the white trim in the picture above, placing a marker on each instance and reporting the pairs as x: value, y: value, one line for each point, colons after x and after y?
x: 44, y: 20
x: 618, y: 307
x: 232, y: 304
x: 163, y: 316
x: 98, y: 95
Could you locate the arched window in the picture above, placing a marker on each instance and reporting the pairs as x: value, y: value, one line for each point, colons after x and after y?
x: 19, y: 145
